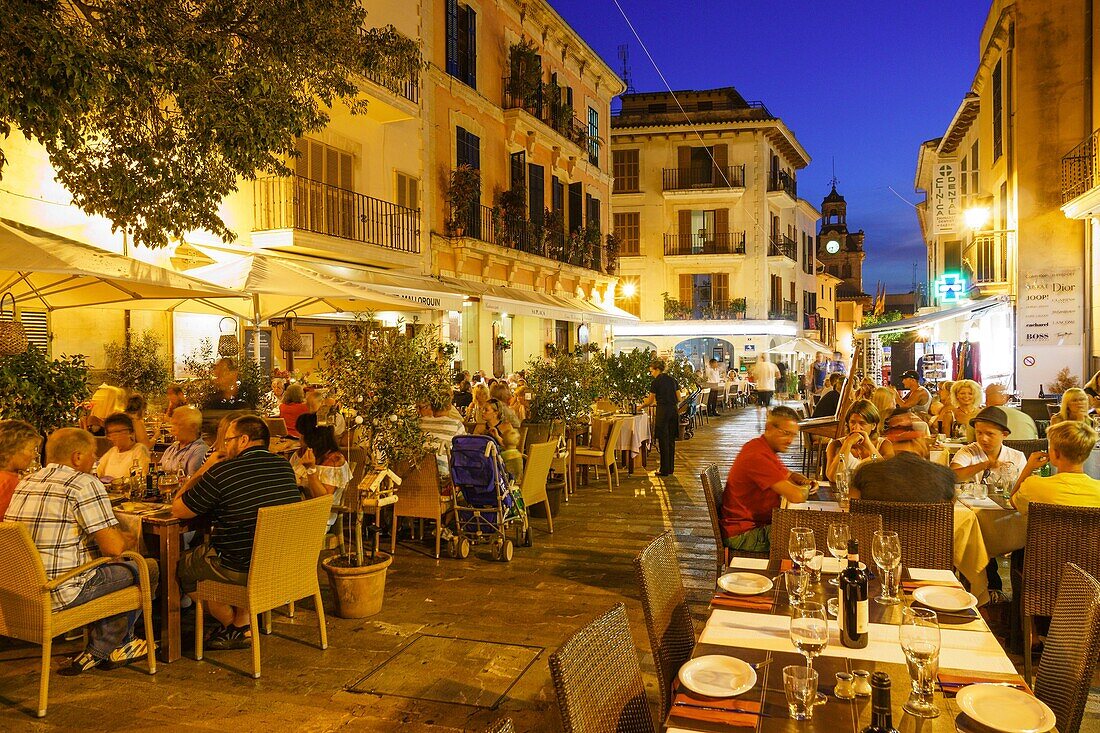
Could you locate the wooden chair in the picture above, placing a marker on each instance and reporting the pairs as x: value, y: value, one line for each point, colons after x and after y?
x: 602, y: 457
x: 598, y: 681
x: 420, y: 496
x: 861, y: 527
x: 1056, y: 535
x: 713, y: 487
x: 1071, y: 648
x: 283, y: 570
x: 667, y: 617
x: 926, y: 531
x: 26, y: 612
x: 533, y: 486
x: 275, y: 425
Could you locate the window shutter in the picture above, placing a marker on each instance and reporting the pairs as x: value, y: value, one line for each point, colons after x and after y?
x: 471, y: 29
x: 576, y: 206
x: 452, y: 37
x: 685, y: 223
x: 536, y: 193
x: 685, y: 290
x: 683, y: 157
x: 721, y: 287
x: 721, y: 221
x: 720, y: 162
x: 35, y: 325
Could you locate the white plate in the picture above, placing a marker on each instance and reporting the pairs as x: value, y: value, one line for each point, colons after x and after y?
x: 1005, y: 709
x: 942, y: 598
x: 744, y: 584
x: 716, y: 675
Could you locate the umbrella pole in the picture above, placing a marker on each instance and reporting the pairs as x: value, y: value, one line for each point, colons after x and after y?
x: 256, y: 324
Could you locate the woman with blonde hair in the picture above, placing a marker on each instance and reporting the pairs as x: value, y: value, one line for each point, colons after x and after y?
x: 862, y: 443
x: 481, y: 398
x: 1075, y: 406
x: 967, y: 395
x: 885, y: 400
x: 942, y: 398
x: 19, y: 444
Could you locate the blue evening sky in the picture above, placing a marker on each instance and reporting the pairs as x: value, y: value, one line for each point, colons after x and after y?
x: 861, y: 83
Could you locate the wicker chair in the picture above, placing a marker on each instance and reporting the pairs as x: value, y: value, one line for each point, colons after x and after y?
x: 712, y: 491
x: 533, y: 487
x: 275, y: 425
x: 598, y: 681
x: 26, y: 611
x: 667, y: 617
x: 1055, y: 535
x: 603, y: 457
x: 1027, y: 447
x: 420, y: 495
x: 927, y: 531
x: 861, y: 527
x: 283, y: 570
x: 502, y: 726
x: 1072, y: 645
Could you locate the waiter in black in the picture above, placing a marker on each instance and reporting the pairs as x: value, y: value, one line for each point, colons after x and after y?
x: 664, y: 393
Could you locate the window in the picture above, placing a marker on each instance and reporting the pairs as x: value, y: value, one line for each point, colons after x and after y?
x: 517, y: 167
x: 624, y: 167
x: 964, y: 177
x: 704, y: 290
x: 576, y: 206
x: 408, y: 191
x: 467, y: 148
x: 973, y: 168
x: 776, y: 293
x: 592, y: 211
x: 325, y: 176
x: 593, y: 136
x: 627, y: 227
x: 536, y: 193
x: 323, y: 163
x: 995, y: 82
x: 462, y: 42
x: 557, y: 198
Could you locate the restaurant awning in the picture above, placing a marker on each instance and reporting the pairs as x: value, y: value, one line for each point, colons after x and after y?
x: 970, y: 310
x: 541, y: 305
x: 45, y: 270
x: 801, y: 345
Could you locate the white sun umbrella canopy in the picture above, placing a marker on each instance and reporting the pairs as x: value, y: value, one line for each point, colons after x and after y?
x: 801, y: 345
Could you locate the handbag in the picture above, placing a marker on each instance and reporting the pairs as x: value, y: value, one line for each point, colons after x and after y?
x: 13, y: 337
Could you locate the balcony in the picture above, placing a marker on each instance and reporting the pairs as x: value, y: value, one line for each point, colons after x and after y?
x: 785, y: 311
x: 781, y: 182
x: 1081, y: 176
x: 703, y: 178
x: 783, y: 246
x: 707, y: 310
x: 705, y: 243
x: 555, y: 114
x: 986, y: 260
x: 298, y: 203
x: 580, y: 249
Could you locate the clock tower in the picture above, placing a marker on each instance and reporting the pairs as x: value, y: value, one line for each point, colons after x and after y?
x: 840, y: 251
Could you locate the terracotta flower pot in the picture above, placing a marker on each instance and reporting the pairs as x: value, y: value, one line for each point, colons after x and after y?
x: 358, y: 590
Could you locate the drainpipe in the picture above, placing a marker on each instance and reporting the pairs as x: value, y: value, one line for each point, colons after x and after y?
x: 1090, y: 244
x: 1010, y: 168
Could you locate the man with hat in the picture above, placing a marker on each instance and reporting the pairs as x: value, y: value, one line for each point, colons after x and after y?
x: 917, y: 397
x: 909, y: 475
x: 988, y: 451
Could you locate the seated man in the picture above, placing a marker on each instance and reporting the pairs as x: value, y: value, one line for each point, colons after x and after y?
x: 230, y: 490
x: 1071, y: 442
x: 758, y: 482
x: 441, y: 423
x: 988, y: 451
x: 827, y: 404
x: 909, y: 475
x: 70, y: 519
x: 189, y: 450
x: 1019, y: 422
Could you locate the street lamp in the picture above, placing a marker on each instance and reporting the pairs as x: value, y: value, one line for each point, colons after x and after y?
x: 629, y: 290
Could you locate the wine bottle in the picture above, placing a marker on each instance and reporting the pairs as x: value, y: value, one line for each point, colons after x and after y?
x: 853, y: 605
x: 881, y: 718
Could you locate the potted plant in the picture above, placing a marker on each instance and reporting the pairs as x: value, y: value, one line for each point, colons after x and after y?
x: 378, y: 374
x: 565, y: 388
x: 463, y: 194
x: 137, y: 365
x: 502, y: 343
x: 627, y: 376
x: 45, y: 392
x: 239, y: 385
x: 525, y: 79
x: 511, y: 211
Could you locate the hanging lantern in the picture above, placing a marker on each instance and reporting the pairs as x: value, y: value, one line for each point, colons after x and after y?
x: 228, y: 345
x: 13, y: 339
x: 290, y: 339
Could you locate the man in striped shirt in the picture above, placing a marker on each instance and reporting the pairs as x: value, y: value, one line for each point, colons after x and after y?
x: 231, y: 489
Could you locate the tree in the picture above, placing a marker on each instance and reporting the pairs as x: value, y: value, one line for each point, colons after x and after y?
x: 152, y: 110
x: 138, y: 365
x: 45, y: 392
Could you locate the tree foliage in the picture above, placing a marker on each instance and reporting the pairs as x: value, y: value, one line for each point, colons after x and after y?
x: 151, y: 110
x: 627, y: 374
x: 201, y: 388
x: 564, y: 387
x: 138, y: 365
x: 889, y: 338
x: 45, y: 392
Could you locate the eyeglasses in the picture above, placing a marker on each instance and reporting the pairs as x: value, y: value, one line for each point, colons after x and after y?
x: 234, y: 437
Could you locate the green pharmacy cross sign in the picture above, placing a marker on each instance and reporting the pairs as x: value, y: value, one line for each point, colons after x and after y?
x: 951, y: 287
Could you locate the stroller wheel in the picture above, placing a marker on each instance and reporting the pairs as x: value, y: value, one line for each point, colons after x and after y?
x: 494, y: 550
x: 506, y: 551
x: 463, y: 548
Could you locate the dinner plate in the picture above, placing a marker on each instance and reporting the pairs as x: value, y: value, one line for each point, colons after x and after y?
x: 716, y: 675
x: 943, y: 598
x: 1005, y: 709
x: 744, y: 584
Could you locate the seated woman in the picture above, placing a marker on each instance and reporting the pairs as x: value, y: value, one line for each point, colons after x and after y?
x: 319, y: 465
x: 942, y: 398
x: 1075, y: 406
x: 293, y: 407
x: 494, y: 425
x: 176, y: 398
x: 135, y: 408
x: 481, y: 396
x: 125, y: 453
x: 885, y: 401
x: 19, y: 444
x: 862, y: 443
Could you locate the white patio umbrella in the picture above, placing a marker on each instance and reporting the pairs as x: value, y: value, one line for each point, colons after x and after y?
x: 800, y: 345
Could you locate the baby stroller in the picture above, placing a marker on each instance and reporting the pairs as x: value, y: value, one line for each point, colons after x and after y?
x: 486, y: 506
x: 688, y: 410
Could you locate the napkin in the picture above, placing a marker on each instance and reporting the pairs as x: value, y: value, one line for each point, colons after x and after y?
x: 911, y: 585
x: 752, y: 603
x: 730, y: 711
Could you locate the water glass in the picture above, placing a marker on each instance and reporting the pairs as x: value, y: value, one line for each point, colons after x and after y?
x: 837, y: 541
x: 814, y: 563
x: 886, y: 552
x: 801, y: 545
x: 797, y: 584
x: 800, y: 684
x: 919, y: 635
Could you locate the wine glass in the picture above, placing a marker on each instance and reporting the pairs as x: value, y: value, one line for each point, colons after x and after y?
x: 919, y: 635
x: 886, y: 551
x: 838, y: 545
x: 801, y: 546
x: 810, y: 631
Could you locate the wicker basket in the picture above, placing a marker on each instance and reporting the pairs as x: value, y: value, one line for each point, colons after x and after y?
x: 228, y: 344
x: 13, y: 339
x: 290, y: 340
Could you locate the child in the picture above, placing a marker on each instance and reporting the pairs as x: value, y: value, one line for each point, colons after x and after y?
x: 513, y: 459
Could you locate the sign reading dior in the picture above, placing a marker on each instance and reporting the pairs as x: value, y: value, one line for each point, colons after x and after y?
x: 1050, y: 307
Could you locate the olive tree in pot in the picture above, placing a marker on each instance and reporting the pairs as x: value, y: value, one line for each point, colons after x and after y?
x: 47, y: 393
x: 378, y: 374
x: 462, y: 197
x: 627, y: 376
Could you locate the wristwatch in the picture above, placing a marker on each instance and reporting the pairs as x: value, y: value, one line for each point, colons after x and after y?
x: 311, y: 471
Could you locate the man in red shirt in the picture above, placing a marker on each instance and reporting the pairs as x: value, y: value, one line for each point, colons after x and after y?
x: 757, y: 483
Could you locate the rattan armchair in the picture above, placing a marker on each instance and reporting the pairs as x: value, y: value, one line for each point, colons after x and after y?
x: 1055, y: 535
x: 712, y: 492
x: 602, y: 457
x: 533, y: 487
x: 598, y: 681
x: 667, y: 617
x: 283, y: 569
x: 420, y: 495
x: 1027, y: 447
x: 502, y: 726
x: 861, y: 527
x: 926, y: 531
x: 27, y: 614
x: 1072, y: 645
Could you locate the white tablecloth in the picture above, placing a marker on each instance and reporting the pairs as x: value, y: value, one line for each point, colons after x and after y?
x: 635, y: 431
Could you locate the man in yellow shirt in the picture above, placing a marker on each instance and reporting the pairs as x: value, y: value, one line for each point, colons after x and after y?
x: 1071, y: 442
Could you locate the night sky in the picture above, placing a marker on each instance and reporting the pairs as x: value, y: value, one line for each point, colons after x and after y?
x: 859, y: 83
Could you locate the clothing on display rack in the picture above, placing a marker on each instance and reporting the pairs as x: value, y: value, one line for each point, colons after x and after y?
x: 967, y: 359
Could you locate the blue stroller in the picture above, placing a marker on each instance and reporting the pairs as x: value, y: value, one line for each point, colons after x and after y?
x: 486, y: 506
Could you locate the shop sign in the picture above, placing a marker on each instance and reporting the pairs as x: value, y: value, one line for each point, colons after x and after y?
x: 951, y: 287
x: 945, y: 198
x: 1050, y: 307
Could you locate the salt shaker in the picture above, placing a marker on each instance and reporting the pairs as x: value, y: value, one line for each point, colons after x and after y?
x: 845, y: 688
x: 862, y: 683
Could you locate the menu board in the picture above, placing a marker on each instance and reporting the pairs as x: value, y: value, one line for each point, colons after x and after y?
x: 1050, y: 308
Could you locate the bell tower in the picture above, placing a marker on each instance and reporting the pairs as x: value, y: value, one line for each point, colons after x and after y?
x: 840, y: 251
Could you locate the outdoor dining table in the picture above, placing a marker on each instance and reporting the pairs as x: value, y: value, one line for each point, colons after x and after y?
x: 633, y: 439
x: 755, y: 629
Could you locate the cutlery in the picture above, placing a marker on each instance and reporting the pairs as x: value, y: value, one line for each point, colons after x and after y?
x: 716, y: 709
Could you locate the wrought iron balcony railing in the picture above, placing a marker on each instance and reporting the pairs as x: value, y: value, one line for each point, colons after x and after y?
x: 705, y: 243
x: 707, y: 310
x: 557, y: 115
x: 783, y: 246
x: 578, y: 248
x: 785, y: 311
x: 783, y: 181
x: 986, y: 257
x: 1081, y: 168
x: 706, y: 177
